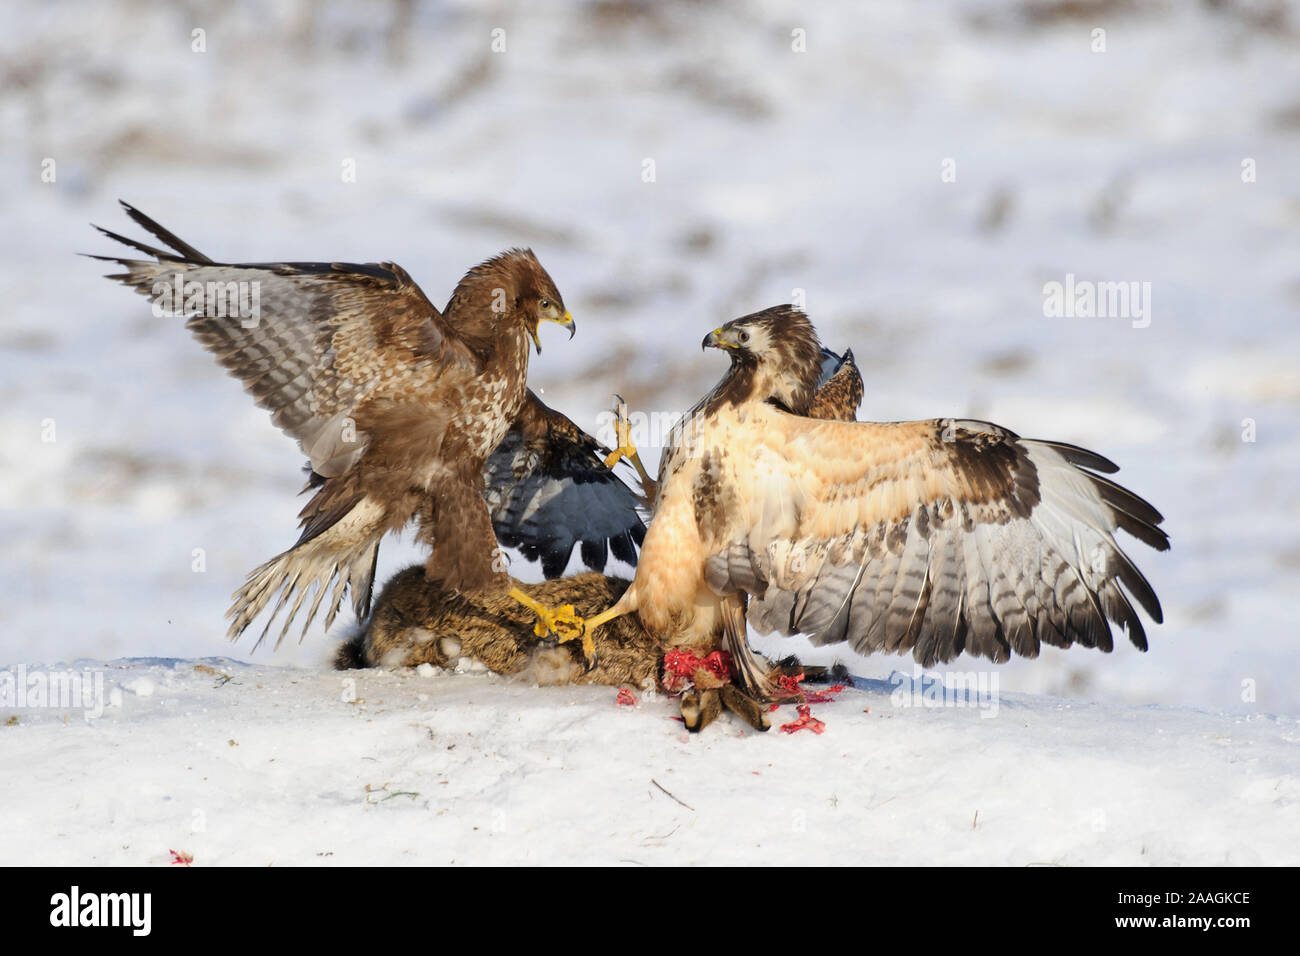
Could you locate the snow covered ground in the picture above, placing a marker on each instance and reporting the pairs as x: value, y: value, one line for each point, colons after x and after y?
x: 916, y: 176
x: 284, y: 766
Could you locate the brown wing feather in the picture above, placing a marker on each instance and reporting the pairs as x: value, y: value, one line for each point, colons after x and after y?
x: 936, y: 537
x: 352, y: 361
x: 326, y: 338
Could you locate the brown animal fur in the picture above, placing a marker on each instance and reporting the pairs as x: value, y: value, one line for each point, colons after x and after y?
x: 415, y: 622
x: 418, y: 622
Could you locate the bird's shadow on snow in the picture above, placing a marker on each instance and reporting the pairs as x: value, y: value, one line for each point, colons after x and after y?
x: 930, y: 688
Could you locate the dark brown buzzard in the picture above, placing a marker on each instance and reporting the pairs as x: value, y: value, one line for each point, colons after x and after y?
x: 399, y: 407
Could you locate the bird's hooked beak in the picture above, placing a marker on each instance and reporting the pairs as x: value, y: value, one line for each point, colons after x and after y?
x: 720, y: 338
x: 566, y: 322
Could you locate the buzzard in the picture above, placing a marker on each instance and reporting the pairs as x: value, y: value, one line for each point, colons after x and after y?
x: 400, y: 408
x: 936, y: 537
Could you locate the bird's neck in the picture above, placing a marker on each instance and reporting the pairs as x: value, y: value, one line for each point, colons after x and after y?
x: 736, y: 387
x: 481, y: 313
x: 747, y: 381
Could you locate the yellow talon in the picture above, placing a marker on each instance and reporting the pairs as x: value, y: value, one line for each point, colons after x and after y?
x: 623, y: 435
x: 625, y: 449
x: 562, y: 623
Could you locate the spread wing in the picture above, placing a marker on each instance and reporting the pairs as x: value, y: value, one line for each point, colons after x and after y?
x: 311, y: 341
x: 351, y: 360
x: 548, y: 489
x: 936, y: 537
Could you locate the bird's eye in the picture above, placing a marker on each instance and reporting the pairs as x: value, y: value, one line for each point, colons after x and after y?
x: 545, y: 303
x: 744, y: 337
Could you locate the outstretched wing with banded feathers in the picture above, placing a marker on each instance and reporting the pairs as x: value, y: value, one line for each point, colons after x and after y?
x: 310, y: 341
x: 394, y: 403
x: 936, y: 537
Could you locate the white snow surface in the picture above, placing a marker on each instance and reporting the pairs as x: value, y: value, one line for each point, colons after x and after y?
x: 292, y: 766
x: 138, y: 484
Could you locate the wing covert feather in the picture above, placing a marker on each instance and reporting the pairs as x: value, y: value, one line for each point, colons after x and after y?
x: 939, y: 537
x: 310, y: 341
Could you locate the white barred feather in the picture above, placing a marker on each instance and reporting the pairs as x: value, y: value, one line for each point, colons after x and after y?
x: 914, y: 555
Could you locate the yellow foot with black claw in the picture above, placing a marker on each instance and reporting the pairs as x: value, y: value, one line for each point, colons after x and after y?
x: 626, y: 449
x: 622, y: 435
x: 561, y: 623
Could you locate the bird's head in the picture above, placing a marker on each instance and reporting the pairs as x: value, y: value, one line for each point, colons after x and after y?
x: 534, y: 298
x: 515, y: 288
x: 775, y: 355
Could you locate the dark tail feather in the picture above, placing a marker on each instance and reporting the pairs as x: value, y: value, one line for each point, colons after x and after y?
x: 159, y: 254
x: 163, y: 235
x: 751, y: 674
